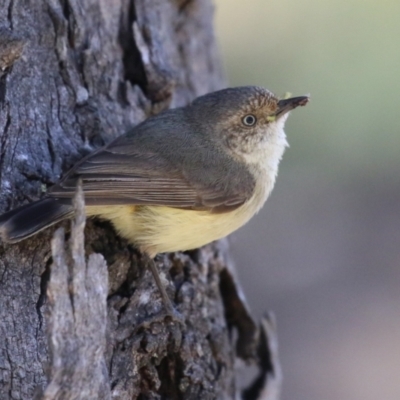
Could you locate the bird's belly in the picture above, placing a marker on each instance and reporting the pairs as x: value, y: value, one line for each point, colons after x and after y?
x: 157, y: 229
x: 165, y: 229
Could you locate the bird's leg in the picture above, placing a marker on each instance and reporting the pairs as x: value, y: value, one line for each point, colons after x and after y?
x: 169, y: 308
x: 166, y: 300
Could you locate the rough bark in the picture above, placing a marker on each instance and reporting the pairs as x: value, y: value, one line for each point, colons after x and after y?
x: 74, y: 75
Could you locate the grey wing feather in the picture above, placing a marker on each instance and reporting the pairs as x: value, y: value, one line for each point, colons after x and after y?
x: 138, y: 172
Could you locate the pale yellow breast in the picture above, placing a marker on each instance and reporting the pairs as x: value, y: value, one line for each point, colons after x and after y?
x: 157, y: 229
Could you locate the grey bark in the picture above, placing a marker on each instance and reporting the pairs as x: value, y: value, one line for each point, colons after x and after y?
x: 74, y: 75
x: 77, y: 318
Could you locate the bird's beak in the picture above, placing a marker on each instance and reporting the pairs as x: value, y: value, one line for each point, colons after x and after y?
x: 285, y: 105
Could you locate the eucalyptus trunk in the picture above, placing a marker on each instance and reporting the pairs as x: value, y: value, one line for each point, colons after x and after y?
x: 79, y: 325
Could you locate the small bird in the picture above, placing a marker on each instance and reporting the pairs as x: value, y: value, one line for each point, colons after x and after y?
x: 178, y: 180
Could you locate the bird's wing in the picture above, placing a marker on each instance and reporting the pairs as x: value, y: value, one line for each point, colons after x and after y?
x: 127, y: 173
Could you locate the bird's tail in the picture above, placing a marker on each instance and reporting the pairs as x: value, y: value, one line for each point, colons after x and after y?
x: 27, y: 220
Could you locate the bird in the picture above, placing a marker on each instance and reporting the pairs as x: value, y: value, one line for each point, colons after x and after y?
x: 178, y: 180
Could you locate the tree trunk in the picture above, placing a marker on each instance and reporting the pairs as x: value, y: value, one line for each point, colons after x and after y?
x: 75, y: 75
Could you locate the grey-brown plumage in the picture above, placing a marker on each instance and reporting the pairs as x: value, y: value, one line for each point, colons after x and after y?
x: 181, y: 167
x: 167, y: 160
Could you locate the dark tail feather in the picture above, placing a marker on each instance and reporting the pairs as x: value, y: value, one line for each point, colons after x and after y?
x: 27, y: 220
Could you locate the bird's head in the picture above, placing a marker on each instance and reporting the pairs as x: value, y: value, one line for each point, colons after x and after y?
x: 247, y: 121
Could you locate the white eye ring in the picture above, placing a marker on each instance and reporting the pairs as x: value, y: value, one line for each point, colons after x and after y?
x: 249, y: 120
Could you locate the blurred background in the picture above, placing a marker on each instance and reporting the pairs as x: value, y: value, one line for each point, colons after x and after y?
x: 324, y: 254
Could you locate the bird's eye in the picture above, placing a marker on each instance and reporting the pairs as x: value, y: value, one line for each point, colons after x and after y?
x: 249, y: 120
